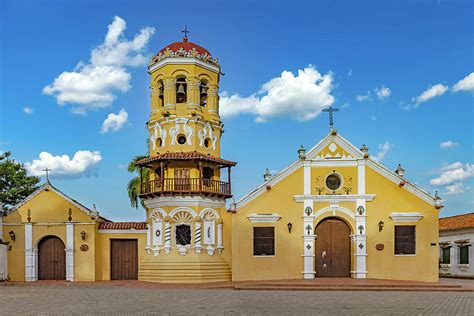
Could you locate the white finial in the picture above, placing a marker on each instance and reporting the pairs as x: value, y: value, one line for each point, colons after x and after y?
x: 302, y: 153
x: 400, y: 171
x: 267, y: 175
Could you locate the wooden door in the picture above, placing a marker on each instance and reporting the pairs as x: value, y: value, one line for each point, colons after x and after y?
x: 333, y: 249
x: 51, y: 259
x: 123, y: 259
x: 181, y: 178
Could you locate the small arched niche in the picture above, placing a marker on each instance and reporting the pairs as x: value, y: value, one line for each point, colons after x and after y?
x: 181, y: 89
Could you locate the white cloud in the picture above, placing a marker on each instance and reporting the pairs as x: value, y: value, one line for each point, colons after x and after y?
x: 301, y: 97
x: 383, y: 150
x: 95, y: 84
x: 455, y: 189
x: 63, y: 166
x: 363, y: 97
x: 448, y: 144
x: 454, y: 172
x: 430, y: 93
x: 465, y: 84
x: 114, y: 122
x: 383, y: 92
x: 28, y: 110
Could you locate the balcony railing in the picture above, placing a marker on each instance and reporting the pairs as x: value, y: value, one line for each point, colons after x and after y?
x: 185, y: 186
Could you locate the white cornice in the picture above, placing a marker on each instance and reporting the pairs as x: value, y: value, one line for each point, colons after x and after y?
x: 264, y: 218
x: 274, y: 180
x: 183, y: 61
x: 181, y: 201
x: 410, y: 187
x: 334, y: 162
x: 337, y: 198
x: 407, y: 217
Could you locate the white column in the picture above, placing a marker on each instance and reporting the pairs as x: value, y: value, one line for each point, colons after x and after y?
x: 197, y: 239
x: 307, y: 177
x: 167, y: 237
x: 30, y: 262
x: 308, y: 240
x: 69, y: 251
x: 219, y: 237
x: 360, y: 235
x: 148, y: 237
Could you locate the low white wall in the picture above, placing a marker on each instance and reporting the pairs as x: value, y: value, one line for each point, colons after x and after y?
x: 3, y: 262
x: 454, y: 268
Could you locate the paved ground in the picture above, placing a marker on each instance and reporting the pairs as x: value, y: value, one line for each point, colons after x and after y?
x: 103, y: 298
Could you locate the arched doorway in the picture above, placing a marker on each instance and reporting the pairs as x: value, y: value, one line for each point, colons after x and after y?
x: 51, y: 259
x: 333, y: 248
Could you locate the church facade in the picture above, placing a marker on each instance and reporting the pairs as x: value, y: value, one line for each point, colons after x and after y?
x: 333, y: 212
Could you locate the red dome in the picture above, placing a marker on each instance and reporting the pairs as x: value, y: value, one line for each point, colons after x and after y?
x: 187, y: 46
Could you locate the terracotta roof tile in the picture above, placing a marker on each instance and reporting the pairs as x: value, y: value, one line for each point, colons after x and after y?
x: 191, y: 155
x: 187, y: 46
x: 122, y: 225
x: 456, y: 222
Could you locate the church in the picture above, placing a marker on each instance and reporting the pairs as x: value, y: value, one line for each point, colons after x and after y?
x: 332, y: 212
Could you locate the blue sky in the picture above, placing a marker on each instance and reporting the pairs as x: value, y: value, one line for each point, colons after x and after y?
x: 417, y: 55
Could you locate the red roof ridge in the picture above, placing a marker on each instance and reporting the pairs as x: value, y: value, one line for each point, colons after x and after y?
x: 123, y: 225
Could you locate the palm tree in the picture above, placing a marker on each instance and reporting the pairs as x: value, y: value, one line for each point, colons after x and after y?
x: 133, y: 186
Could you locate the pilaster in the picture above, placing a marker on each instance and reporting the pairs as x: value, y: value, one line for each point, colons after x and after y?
x: 69, y: 251
x: 360, y: 236
x: 308, y: 240
x: 30, y: 261
x: 169, y: 93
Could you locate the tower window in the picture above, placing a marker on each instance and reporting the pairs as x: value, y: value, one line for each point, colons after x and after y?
x: 183, y: 235
x: 181, y: 90
x: 207, y: 173
x: 207, y: 142
x: 181, y: 139
x: 159, y: 142
x: 160, y: 93
x: 203, y: 93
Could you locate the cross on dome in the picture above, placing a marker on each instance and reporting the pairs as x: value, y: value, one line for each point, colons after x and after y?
x: 185, y: 31
x: 330, y: 110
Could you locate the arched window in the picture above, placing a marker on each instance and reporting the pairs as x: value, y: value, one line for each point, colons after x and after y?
x: 203, y: 87
x: 161, y: 94
x: 181, y: 90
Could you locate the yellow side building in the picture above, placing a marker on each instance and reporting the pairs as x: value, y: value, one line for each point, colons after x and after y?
x: 333, y: 212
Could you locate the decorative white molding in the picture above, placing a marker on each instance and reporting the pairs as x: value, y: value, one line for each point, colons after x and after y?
x: 307, y: 177
x: 182, y: 201
x: 334, y: 163
x: 264, y: 218
x: 30, y: 260
x: 122, y: 231
x: 333, y: 210
x: 340, y: 141
x: 334, y: 197
x: 49, y: 186
x: 158, y: 132
x: 406, y: 217
x: 361, y: 176
x: 182, y: 61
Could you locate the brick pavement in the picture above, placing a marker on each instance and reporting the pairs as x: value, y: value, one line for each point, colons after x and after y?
x: 106, y: 299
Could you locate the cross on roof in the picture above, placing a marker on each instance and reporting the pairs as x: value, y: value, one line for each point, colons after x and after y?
x: 185, y: 31
x: 47, y: 170
x: 330, y: 110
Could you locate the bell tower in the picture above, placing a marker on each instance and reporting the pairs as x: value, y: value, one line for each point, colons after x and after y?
x: 187, y: 181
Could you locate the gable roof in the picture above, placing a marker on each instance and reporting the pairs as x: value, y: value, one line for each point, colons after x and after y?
x: 356, y: 154
x: 48, y: 186
x: 456, y: 222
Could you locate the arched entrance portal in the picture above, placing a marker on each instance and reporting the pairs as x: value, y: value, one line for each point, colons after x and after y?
x: 333, y: 248
x: 51, y: 259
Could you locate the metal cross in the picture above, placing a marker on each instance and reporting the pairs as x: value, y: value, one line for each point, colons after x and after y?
x: 47, y: 170
x: 185, y: 31
x: 330, y: 110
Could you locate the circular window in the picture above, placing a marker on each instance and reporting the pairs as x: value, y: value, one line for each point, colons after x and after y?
x: 207, y: 142
x: 333, y: 181
x: 181, y: 139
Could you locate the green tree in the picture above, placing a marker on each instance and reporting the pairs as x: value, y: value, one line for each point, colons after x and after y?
x: 15, y: 184
x: 133, y: 186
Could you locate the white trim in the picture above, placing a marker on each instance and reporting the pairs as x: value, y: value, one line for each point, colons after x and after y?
x: 122, y: 231
x: 177, y: 201
x: 334, y: 162
x: 182, y: 61
x: 307, y: 177
x: 361, y: 176
x: 334, y: 197
x: 69, y: 251
x: 30, y: 261
x: 406, y: 217
x: 48, y: 186
x: 410, y: 187
x: 208, y: 209
x: 274, y: 180
x: 264, y: 218
x: 183, y: 208
x: 339, y: 140
x: 334, y: 209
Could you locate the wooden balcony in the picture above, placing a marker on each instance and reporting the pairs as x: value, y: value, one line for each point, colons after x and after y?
x: 185, y: 186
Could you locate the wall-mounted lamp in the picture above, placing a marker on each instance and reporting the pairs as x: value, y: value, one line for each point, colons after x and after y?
x: 290, y: 226
x: 83, y: 235
x: 12, y: 235
x: 381, y: 226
